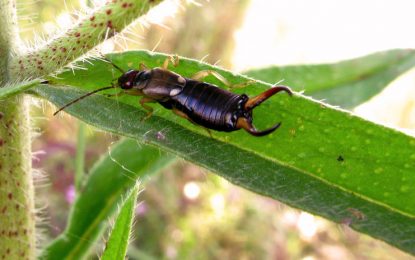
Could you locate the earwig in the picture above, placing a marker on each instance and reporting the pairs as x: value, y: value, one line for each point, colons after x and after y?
x: 199, y: 102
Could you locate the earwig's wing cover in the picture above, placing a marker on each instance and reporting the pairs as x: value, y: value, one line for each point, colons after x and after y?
x: 164, y: 84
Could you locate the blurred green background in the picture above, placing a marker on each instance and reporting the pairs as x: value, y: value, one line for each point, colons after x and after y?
x: 184, y: 212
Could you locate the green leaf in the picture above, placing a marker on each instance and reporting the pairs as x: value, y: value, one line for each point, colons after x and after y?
x: 322, y: 160
x: 109, y: 180
x: 9, y: 91
x: 116, y: 247
x: 347, y: 83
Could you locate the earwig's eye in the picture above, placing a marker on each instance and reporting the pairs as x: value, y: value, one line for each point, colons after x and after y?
x: 127, y: 85
x: 125, y: 80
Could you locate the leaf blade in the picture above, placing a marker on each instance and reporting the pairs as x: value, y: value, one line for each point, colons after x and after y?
x: 322, y: 160
x: 101, y: 195
x: 118, y: 240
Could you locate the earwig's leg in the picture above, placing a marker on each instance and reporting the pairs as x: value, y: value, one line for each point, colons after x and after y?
x: 166, y: 63
x: 143, y: 102
x: 255, y: 101
x: 143, y: 66
x: 245, y: 124
x: 209, y: 132
x: 173, y: 59
x: 176, y: 60
x: 242, y: 85
x: 182, y: 114
x: 204, y: 73
x: 133, y: 92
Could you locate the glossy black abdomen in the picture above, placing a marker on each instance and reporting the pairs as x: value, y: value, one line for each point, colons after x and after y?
x: 208, y: 105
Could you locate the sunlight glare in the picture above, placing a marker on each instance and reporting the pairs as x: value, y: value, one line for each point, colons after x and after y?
x: 217, y: 202
x: 166, y: 9
x: 64, y: 20
x: 191, y: 190
x: 307, y: 225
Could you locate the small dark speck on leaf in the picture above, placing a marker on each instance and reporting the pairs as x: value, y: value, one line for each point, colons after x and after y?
x: 340, y: 158
x: 357, y: 213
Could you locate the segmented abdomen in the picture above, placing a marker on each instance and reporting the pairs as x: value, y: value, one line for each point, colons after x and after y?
x: 208, y: 105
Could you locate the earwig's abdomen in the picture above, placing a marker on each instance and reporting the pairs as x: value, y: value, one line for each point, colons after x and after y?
x: 208, y: 105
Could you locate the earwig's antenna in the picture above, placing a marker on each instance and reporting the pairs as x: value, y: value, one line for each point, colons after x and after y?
x: 81, y: 97
x: 92, y: 92
x: 116, y: 66
x: 113, y: 64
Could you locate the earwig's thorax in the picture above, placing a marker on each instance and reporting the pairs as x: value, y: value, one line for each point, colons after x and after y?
x: 157, y: 84
x: 163, y: 84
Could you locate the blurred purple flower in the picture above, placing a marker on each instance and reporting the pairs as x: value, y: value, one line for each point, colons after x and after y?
x: 70, y: 194
x: 141, y: 209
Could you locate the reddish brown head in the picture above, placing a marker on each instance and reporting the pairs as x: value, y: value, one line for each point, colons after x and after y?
x: 134, y: 79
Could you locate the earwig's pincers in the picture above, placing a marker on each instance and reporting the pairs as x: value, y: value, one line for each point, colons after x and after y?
x: 246, y: 122
x: 199, y: 102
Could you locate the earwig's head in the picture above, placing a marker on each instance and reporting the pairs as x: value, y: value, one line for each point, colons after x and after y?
x: 245, y: 114
x: 126, y: 80
x: 134, y: 79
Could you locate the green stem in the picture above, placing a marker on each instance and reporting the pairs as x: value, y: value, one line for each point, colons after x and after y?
x: 80, y: 156
x: 16, y: 88
x: 103, y: 23
x: 17, y: 218
x: 8, y: 37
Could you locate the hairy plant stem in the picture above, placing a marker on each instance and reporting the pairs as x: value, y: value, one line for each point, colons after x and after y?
x: 17, y: 213
x: 17, y: 217
x: 103, y: 23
